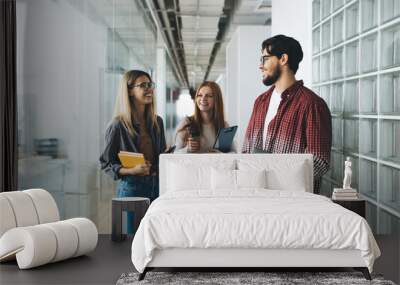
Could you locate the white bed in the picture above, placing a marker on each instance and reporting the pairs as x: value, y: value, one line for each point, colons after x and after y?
x: 203, y: 219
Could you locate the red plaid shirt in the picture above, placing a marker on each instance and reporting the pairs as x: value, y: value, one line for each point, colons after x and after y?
x: 302, y: 125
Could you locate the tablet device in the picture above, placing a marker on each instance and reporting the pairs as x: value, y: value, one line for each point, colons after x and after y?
x: 171, y: 149
x: 224, y: 139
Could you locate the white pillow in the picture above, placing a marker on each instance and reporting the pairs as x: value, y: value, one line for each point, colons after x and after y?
x: 183, y: 177
x: 292, y: 179
x: 193, y: 175
x: 251, y: 178
x: 281, y: 173
x: 223, y: 179
x: 227, y: 179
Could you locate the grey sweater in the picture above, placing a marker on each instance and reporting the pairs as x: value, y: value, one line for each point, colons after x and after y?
x: 207, y: 139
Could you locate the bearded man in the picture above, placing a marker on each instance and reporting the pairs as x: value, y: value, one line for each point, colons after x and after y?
x: 288, y: 117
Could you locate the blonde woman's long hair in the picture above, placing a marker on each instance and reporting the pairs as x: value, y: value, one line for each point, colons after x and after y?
x: 125, y: 107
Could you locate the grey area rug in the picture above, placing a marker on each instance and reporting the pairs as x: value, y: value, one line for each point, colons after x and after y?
x: 229, y: 278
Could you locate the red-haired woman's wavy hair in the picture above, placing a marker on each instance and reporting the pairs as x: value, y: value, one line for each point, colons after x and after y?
x: 218, y: 116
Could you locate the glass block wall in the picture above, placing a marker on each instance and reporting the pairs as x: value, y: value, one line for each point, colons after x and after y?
x: 356, y: 69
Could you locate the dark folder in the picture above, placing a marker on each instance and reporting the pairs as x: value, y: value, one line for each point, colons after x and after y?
x: 224, y: 139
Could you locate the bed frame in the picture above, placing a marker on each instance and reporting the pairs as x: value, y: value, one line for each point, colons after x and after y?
x: 246, y: 258
x: 243, y: 259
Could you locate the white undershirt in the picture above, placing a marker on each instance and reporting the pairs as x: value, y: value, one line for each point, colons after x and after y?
x: 271, y: 112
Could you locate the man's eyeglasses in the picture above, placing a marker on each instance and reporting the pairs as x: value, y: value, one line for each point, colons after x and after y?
x: 264, y: 58
x: 143, y: 85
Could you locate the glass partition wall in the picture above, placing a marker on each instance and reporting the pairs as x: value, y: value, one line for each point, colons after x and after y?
x: 356, y: 69
x: 70, y: 57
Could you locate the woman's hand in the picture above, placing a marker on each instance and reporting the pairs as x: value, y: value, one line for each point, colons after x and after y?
x: 193, y: 145
x: 140, y: 169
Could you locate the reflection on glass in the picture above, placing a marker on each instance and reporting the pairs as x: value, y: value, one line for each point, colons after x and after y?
x: 389, y: 225
x: 337, y: 166
x: 336, y: 98
x: 79, y: 54
x: 369, y: 53
x: 44, y: 171
x: 337, y: 4
x: 351, y: 97
x: 337, y: 133
x: 390, y: 94
x: 368, y: 133
x: 352, y: 20
x: 315, y: 70
x: 326, y: 188
x: 325, y: 92
x: 351, y: 135
x: 390, y: 140
x: 316, y: 38
x: 338, y: 28
x: 368, y: 91
x: 326, y: 35
x: 390, y: 187
x: 354, y: 168
x: 389, y: 9
x: 316, y: 11
x: 325, y: 67
x: 390, y: 52
x: 355, y: 29
x: 352, y: 58
x: 369, y: 17
x: 326, y: 8
x: 337, y: 55
x: 371, y: 216
x: 368, y: 178
x: 316, y: 90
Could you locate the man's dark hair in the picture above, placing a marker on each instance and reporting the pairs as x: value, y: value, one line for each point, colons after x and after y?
x: 280, y: 44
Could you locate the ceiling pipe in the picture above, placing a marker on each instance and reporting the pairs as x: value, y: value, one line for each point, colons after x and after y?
x: 178, y: 23
x: 172, y: 55
x: 223, y: 27
x: 173, y: 40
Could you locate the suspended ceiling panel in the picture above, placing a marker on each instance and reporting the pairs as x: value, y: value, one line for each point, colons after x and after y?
x: 199, y: 30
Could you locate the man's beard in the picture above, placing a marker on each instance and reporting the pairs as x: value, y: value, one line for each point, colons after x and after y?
x: 271, y: 79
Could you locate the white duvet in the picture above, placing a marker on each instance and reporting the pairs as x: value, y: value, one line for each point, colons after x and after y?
x: 252, y: 218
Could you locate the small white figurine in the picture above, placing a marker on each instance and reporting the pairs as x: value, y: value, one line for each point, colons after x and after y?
x: 347, y: 174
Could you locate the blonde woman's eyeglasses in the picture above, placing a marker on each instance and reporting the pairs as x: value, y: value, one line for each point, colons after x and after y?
x: 143, y: 85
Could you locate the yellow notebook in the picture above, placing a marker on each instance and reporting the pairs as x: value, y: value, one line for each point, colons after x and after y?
x: 130, y: 159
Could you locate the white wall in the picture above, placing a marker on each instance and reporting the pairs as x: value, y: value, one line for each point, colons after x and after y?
x: 295, y: 20
x: 221, y: 82
x: 243, y: 78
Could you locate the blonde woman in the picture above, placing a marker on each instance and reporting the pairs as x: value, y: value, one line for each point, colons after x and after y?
x: 136, y: 128
x: 197, y: 133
